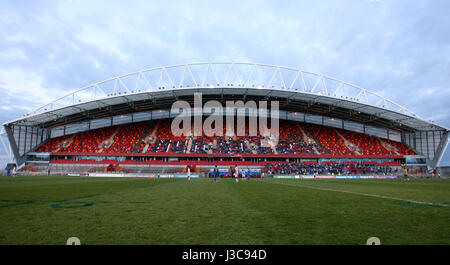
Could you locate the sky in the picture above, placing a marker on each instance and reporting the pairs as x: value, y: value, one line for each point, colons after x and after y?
x: 399, y: 49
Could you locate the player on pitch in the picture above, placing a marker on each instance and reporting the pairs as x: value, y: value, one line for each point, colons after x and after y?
x: 189, y: 173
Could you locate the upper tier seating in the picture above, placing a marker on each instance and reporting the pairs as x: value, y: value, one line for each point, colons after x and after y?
x: 54, y: 144
x: 366, y: 144
x: 126, y: 138
x: 330, y: 140
x: 401, y: 148
x: 295, y: 138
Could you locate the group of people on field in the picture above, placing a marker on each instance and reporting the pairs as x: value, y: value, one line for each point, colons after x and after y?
x: 11, y: 172
x: 234, y: 172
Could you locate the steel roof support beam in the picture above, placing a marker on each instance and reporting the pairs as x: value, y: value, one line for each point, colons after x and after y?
x: 443, y: 143
x: 15, y: 149
x: 6, y: 149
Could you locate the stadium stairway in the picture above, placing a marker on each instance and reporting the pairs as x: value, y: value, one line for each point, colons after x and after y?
x: 307, y: 139
x: 330, y: 140
x: 350, y: 146
x: 107, y: 143
x: 311, y: 134
x: 146, y: 131
x: 402, y: 148
x: 249, y: 146
x: 189, y: 145
x: 190, y: 140
x: 214, y: 146
x: 272, y: 145
x: 388, y: 146
x: 153, y: 135
x: 68, y: 143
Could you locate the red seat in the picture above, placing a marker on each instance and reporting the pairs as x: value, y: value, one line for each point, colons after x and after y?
x: 295, y: 138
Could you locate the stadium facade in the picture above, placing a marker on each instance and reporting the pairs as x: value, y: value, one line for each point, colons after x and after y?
x: 303, y: 96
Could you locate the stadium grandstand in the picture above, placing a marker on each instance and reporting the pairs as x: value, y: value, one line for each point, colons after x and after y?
x: 123, y: 124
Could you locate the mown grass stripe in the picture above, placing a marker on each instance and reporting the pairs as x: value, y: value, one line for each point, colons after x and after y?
x: 354, y: 192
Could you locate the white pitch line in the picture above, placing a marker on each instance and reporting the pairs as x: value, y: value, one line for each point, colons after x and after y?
x: 356, y: 193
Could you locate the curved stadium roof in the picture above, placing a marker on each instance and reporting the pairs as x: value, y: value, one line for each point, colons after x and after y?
x: 158, y: 87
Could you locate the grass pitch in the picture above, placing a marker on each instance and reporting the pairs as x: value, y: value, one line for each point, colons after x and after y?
x: 49, y: 210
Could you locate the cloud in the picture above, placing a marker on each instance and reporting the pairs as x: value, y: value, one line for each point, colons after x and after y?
x: 103, y: 41
x: 25, y: 87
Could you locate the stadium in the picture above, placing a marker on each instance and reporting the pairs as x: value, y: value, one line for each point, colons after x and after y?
x: 119, y: 131
x: 124, y: 123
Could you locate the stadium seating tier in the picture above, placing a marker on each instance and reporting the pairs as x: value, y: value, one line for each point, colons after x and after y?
x: 295, y: 138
